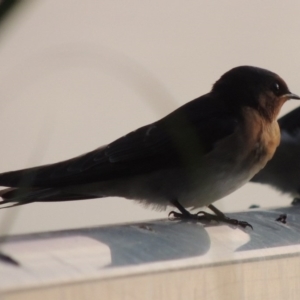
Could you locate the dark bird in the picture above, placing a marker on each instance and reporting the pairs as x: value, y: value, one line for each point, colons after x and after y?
x: 199, y: 153
x: 283, y: 170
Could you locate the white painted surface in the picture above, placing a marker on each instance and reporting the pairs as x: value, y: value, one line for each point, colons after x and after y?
x: 159, y: 260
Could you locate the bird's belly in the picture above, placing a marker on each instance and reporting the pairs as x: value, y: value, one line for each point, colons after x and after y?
x: 207, y: 182
x: 210, y: 179
x: 211, y: 187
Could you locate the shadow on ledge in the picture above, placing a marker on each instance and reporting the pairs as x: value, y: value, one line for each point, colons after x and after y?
x: 138, y: 243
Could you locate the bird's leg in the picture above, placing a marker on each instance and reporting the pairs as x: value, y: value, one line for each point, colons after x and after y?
x: 205, y: 217
x: 215, y: 210
x: 227, y: 220
x: 186, y: 215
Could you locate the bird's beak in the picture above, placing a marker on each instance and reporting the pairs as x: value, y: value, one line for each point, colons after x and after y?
x: 292, y: 96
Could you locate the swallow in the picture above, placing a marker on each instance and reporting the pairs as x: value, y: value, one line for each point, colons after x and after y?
x: 282, y: 172
x: 199, y: 153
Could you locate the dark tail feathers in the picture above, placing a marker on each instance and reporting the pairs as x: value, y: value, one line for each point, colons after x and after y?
x: 21, y: 196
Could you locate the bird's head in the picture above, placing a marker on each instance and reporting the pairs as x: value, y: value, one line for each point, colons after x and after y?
x: 253, y: 87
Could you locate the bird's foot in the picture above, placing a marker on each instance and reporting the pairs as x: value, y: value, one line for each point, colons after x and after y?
x: 205, y: 217
x: 236, y: 222
x: 173, y: 215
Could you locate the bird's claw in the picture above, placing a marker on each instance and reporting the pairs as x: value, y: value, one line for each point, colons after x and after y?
x: 201, y: 212
x: 174, y: 215
x: 202, y: 216
x: 243, y: 224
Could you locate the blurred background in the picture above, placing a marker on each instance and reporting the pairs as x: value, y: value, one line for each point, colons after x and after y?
x: 76, y: 75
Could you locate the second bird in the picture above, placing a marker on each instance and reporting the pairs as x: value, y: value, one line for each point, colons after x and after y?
x: 201, y: 152
x: 283, y: 170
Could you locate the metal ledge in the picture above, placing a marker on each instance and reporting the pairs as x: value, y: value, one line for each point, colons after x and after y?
x: 95, y: 261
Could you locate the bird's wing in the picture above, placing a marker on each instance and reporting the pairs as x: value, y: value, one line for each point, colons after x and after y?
x: 291, y: 122
x: 186, y: 134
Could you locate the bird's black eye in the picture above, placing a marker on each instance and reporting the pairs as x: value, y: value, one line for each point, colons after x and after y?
x: 276, y: 88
